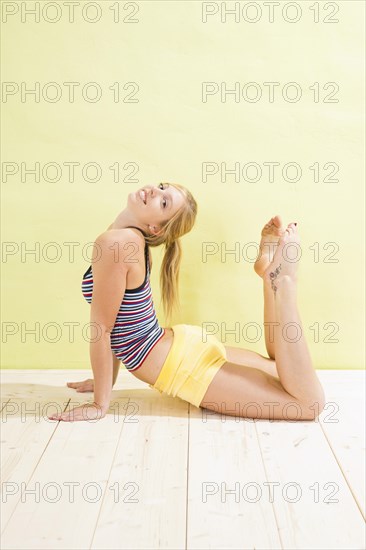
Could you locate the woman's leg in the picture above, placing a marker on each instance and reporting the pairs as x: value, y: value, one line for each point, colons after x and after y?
x: 269, y: 320
x: 294, y: 364
x: 250, y: 392
x: 249, y: 358
x: 270, y: 236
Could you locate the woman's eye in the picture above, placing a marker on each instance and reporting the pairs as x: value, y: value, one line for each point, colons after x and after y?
x: 161, y: 185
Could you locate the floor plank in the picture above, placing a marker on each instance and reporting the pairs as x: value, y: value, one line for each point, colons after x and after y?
x: 165, y: 474
x: 150, y: 472
x: 25, y: 429
x: 311, y: 496
x: 343, y: 423
x: 79, y: 453
x: 225, y: 462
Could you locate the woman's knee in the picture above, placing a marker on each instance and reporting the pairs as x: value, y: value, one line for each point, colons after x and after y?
x: 314, y: 407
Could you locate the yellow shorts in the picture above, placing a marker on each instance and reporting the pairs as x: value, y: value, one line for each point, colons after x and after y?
x: 192, y: 362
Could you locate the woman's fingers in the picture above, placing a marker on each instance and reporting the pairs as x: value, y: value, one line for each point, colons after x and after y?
x: 84, y: 386
x: 87, y: 411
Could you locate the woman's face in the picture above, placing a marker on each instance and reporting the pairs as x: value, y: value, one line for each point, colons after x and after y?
x: 155, y: 204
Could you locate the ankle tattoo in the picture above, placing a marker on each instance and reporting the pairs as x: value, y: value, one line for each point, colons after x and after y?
x: 273, y: 275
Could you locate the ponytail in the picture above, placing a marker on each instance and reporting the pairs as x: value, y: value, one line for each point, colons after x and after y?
x: 169, y: 277
x: 177, y: 226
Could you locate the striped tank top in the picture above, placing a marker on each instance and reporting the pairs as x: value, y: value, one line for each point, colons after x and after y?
x: 136, y: 329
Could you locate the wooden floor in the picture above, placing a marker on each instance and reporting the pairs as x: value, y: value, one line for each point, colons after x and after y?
x: 157, y: 472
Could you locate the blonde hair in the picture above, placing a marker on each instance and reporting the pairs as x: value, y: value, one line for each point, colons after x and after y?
x: 170, y: 233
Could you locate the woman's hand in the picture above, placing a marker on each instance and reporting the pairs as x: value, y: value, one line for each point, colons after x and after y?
x: 88, y: 411
x: 85, y: 386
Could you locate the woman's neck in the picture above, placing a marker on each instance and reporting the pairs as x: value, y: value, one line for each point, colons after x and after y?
x: 124, y: 219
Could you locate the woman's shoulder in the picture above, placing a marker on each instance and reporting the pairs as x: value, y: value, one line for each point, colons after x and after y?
x: 122, y: 243
x: 125, y: 236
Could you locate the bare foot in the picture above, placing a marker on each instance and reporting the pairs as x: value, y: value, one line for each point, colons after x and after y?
x: 271, y: 234
x: 283, y: 265
x: 85, y: 386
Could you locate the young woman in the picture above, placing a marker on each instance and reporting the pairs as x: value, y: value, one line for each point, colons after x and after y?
x: 180, y: 360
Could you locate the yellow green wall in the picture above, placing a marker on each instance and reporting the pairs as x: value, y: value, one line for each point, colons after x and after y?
x: 169, y: 133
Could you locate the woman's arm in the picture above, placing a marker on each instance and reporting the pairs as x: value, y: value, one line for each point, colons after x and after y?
x: 109, y: 285
x: 116, y: 365
x: 102, y: 366
x: 88, y: 384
